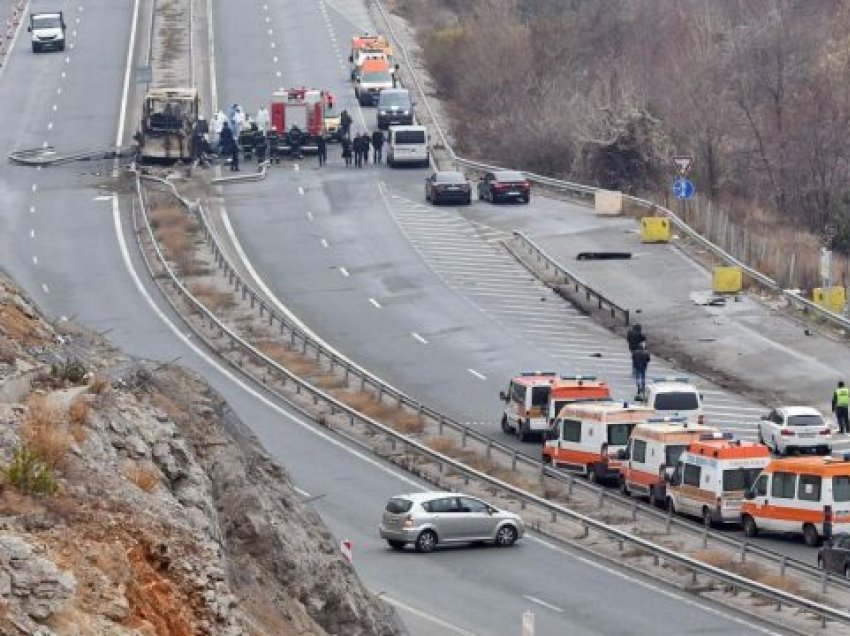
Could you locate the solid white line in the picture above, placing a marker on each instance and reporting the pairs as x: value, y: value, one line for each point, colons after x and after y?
x: 300, y: 491
x: 125, y: 90
x: 478, y: 375
x: 211, y: 47
x: 425, y: 615
x: 534, y: 599
x: 375, y: 303
x: 418, y: 337
x: 214, y: 364
x: 344, y: 272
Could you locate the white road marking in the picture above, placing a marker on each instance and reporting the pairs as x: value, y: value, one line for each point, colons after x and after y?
x: 32, y: 209
x: 103, y: 197
x: 32, y: 233
x: 62, y: 74
x: 273, y: 45
x: 426, y: 616
x: 301, y: 190
x: 296, y: 167
x: 344, y: 272
x: 58, y: 90
x: 324, y: 242
x: 534, y: 599
x: 271, y: 31
x: 375, y: 303
x: 300, y: 491
x: 274, y: 59
x: 478, y: 375
x: 45, y: 288
x: 67, y: 59
x: 34, y: 187
x: 50, y: 125
x: 44, y: 144
x: 35, y: 260
x: 55, y: 107
x: 419, y: 338
x: 71, y: 46
x: 278, y: 73
x: 309, y: 216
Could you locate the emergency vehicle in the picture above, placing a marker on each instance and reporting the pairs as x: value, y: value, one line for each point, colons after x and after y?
x: 370, y: 79
x: 675, y: 397
x: 810, y: 495
x: 654, y: 448
x: 587, y: 437
x: 369, y: 47
x: 333, y: 121
x: 301, y: 107
x: 526, y: 403
x: 713, y: 475
x: 576, y: 388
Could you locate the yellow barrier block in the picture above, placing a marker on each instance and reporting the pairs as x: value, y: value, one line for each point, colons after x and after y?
x: 830, y: 298
x: 654, y: 229
x: 727, y: 280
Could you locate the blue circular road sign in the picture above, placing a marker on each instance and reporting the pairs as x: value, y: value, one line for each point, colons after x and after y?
x: 683, y: 188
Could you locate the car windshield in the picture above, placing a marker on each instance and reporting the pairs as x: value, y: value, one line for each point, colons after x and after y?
x: 672, y: 454
x: 450, y: 177
x: 392, y: 99
x: 740, y: 478
x: 410, y: 137
x: 677, y: 401
x: 509, y: 176
x: 46, y: 22
x: 618, y: 434
x: 398, y: 505
x: 540, y: 395
x: 377, y: 77
x: 805, y: 420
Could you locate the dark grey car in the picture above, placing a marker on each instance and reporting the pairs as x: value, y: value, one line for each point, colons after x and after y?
x: 447, y: 186
x: 427, y: 519
x: 835, y: 555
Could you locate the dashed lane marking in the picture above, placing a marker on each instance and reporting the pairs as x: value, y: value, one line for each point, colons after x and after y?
x: 478, y: 375
x: 375, y: 303
x: 419, y: 338
x: 344, y: 272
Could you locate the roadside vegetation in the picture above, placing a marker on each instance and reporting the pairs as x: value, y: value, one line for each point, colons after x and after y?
x: 607, y: 92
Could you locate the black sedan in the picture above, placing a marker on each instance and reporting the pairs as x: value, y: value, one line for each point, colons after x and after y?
x: 834, y: 556
x: 446, y: 186
x: 504, y: 185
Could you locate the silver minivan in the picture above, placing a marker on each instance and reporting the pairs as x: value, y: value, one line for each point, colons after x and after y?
x: 426, y: 519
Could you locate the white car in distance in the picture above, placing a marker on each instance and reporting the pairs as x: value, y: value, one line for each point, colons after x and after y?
x: 788, y: 429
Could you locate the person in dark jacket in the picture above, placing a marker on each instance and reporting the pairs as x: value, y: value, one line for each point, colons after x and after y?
x: 357, y: 143
x: 366, y: 142
x: 346, y: 151
x: 640, y: 361
x: 322, y: 150
x: 378, y: 146
x: 635, y: 338
x: 345, y: 125
x: 225, y: 140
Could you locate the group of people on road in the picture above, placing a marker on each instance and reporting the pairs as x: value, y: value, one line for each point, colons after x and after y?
x: 356, y: 149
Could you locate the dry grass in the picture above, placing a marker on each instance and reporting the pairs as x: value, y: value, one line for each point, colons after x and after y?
x: 781, y: 583
x: 99, y: 384
x: 44, y: 431
x: 174, y: 411
x: 78, y: 432
x: 714, y: 558
x: 145, y: 477
x: 173, y: 228
x: 78, y: 410
x: 408, y: 423
x: 212, y: 298
x: 442, y: 444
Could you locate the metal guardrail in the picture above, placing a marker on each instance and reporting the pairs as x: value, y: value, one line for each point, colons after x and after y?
x: 584, y: 192
x: 777, y: 596
x: 570, y: 279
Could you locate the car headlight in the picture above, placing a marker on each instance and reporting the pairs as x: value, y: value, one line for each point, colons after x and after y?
x: 382, y: 113
x: 407, y: 112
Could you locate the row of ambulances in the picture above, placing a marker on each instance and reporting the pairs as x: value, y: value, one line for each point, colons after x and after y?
x: 372, y: 67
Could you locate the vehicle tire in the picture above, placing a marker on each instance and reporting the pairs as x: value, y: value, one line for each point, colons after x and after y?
x: 506, y: 426
x: 468, y: 200
x: 506, y: 536
x: 624, y: 487
x: 750, y: 528
x: 706, y: 517
x: 671, y: 506
x: 396, y: 545
x: 35, y: 48
x: 811, y: 536
x: 526, y: 199
x: 847, y: 571
x: 426, y: 541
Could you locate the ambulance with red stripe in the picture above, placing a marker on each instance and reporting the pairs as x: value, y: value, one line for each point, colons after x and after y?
x: 654, y: 448
x: 587, y: 437
x: 527, y: 403
x: 808, y: 495
x: 576, y: 388
x: 713, y: 475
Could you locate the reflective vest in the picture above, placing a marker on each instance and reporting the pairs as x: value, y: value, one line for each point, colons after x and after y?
x: 842, y: 396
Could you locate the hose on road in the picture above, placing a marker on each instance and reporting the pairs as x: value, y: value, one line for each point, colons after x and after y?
x: 47, y: 156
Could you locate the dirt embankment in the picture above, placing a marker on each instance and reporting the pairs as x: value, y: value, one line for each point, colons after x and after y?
x: 133, y: 501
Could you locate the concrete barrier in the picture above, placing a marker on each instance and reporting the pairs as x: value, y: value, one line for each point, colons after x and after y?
x: 608, y: 202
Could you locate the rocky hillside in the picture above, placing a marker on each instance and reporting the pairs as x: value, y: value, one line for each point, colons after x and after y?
x: 133, y: 501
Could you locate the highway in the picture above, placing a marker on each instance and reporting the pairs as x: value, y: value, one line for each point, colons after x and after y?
x: 69, y: 243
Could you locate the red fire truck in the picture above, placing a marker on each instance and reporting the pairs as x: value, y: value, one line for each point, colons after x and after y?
x: 298, y: 117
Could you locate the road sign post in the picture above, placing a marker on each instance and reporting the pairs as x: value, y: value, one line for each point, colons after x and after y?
x: 683, y: 188
x: 682, y: 164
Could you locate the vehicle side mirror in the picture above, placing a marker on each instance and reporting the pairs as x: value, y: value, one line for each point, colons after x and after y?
x: 491, y: 511
x: 750, y: 494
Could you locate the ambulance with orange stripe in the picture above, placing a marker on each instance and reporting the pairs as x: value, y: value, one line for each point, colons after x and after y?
x: 654, y: 448
x: 713, y: 475
x: 587, y: 437
x: 808, y: 495
x: 576, y: 388
x: 527, y: 403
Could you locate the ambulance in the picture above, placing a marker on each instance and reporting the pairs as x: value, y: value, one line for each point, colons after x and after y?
x: 654, y: 448
x: 526, y: 403
x: 713, y: 475
x: 587, y: 437
x: 808, y: 495
x: 576, y: 388
x: 369, y: 47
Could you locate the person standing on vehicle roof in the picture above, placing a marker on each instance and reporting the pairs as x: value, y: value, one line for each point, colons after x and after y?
x: 635, y: 338
x: 322, y: 150
x: 640, y: 361
x: 841, y: 406
x: 378, y: 145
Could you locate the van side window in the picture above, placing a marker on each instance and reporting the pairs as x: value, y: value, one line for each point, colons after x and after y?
x: 783, y: 485
x: 692, y: 475
x: 517, y: 392
x: 809, y: 488
x: 841, y: 488
x: 761, y: 486
x: 572, y: 431
x: 639, y: 451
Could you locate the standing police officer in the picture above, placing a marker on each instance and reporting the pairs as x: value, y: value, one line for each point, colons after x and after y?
x: 840, y: 406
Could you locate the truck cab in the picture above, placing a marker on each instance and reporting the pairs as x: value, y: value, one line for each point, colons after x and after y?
x: 47, y: 31
x: 675, y: 397
x: 591, y: 437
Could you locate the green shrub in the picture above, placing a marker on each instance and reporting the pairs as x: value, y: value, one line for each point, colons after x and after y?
x: 73, y: 371
x: 28, y: 473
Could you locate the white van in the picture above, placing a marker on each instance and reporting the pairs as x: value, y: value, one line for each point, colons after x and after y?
x: 675, y: 397
x: 408, y: 144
